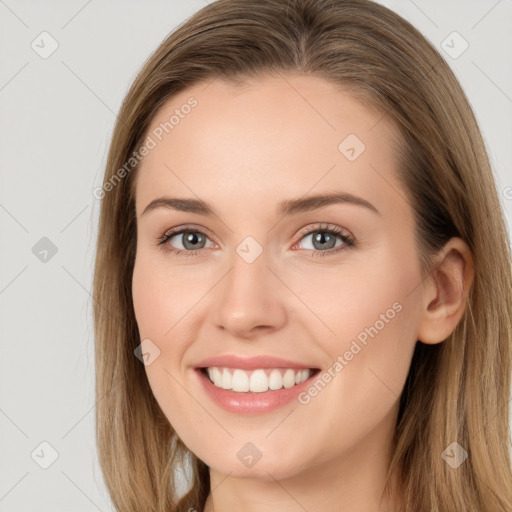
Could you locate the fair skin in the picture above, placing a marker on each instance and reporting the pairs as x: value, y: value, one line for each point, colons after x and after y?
x: 244, y: 150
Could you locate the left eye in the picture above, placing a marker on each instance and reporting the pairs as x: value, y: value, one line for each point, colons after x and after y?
x: 324, y: 240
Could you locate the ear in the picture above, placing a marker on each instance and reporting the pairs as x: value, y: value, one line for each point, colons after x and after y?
x: 445, y: 292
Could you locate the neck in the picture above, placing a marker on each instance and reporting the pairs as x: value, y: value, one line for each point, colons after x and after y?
x: 354, y: 481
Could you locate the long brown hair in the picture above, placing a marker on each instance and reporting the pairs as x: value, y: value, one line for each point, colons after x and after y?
x: 456, y: 391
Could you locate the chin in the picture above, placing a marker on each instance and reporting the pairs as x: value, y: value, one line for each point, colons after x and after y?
x: 267, y: 470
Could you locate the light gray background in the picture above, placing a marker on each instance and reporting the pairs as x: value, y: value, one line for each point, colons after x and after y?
x: 57, y: 116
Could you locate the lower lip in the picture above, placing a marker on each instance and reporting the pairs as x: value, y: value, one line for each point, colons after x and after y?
x: 250, y: 403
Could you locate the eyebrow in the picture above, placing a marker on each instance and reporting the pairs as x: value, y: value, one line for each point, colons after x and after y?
x: 285, y: 208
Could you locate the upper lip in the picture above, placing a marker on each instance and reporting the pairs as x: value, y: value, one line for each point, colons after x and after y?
x: 250, y: 363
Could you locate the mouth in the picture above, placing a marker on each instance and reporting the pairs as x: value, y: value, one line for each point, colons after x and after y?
x: 259, y: 380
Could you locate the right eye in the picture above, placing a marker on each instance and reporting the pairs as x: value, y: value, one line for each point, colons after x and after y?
x: 188, y: 238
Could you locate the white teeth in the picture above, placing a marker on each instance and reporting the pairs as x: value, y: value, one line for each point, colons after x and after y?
x: 227, y: 380
x: 217, y: 377
x: 275, y: 380
x: 289, y: 379
x: 240, y: 380
x: 257, y: 381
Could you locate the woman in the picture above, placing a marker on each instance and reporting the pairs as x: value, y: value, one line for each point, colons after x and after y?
x: 295, y: 298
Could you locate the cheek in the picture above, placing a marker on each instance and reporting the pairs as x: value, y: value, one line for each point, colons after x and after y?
x: 371, y: 310
x: 370, y: 291
x: 366, y: 376
x: 368, y: 363
x: 158, y: 309
x: 159, y: 298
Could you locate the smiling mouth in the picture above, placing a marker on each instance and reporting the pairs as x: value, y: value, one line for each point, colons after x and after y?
x: 258, y: 380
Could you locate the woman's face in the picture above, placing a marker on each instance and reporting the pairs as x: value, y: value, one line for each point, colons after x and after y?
x: 264, y: 270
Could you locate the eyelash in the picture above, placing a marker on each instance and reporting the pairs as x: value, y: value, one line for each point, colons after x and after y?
x: 347, y: 240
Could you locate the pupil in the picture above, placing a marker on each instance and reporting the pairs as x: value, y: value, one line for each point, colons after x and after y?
x: 191, y: 238
x: 320, y: 237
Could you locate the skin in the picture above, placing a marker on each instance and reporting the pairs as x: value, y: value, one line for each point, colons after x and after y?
x: 244, y: 150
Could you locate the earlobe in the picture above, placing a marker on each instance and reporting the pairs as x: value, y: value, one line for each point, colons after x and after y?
x: 445, y: 292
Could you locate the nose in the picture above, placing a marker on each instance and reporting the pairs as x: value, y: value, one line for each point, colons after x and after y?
x: 250, y: 299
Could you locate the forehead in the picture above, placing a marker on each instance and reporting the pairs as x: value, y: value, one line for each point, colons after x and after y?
x: 273, y: 137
